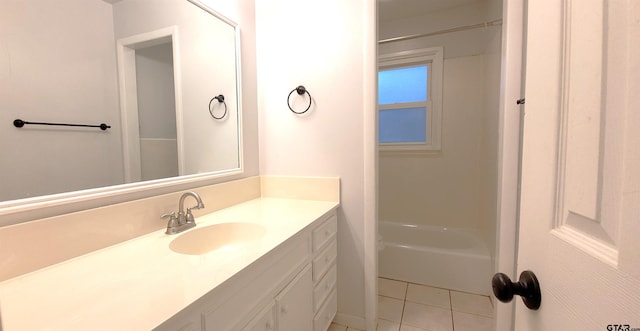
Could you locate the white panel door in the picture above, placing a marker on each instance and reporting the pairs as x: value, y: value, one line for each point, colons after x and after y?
x: 580, y: 203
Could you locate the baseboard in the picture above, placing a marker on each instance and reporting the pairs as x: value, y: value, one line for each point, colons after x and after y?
x: 355, y: 322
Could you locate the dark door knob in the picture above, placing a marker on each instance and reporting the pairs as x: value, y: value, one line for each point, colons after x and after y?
x: 527, y: 287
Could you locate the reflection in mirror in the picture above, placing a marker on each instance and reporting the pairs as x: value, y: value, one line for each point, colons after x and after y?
x: 158, y: 141
x: 146, y: 68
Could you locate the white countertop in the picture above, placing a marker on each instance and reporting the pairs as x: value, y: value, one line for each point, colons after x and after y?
x: 140, y: 283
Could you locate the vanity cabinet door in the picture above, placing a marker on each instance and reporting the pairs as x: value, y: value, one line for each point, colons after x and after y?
x: 265, y: 321
x: 295, y: 305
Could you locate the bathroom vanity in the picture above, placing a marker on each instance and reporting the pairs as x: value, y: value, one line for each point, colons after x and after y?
x: 283, y: 278
x: 292, y: 287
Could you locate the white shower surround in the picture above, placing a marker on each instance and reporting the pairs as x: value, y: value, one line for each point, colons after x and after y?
x: 452, y: 258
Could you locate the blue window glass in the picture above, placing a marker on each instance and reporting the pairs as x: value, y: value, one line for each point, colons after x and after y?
x: 402, y: 85
x: 406, y: 125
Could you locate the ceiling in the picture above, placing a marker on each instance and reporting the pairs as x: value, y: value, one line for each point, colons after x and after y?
x: 397, y: 9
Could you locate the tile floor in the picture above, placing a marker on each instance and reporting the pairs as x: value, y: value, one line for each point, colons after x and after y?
x: 410, y: 307
x: 338, y: 327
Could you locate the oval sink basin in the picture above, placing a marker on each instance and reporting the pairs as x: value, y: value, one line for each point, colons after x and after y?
x: 228, y: 236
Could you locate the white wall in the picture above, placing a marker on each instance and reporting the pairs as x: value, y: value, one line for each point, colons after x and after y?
x: 327, y: 46
x: 56, y: 67
x: 456, y: 188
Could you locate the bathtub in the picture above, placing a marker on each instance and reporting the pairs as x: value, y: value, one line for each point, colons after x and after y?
x: 456, y: 259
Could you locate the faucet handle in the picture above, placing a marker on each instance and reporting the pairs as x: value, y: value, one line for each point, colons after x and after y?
x: 173, y: 219
x: 172, y: 225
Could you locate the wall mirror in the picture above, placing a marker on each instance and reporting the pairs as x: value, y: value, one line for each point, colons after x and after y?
x: 148, y: 69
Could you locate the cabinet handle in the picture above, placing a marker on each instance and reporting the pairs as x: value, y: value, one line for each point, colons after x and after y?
x: 285, y: 309
x: 269, y: 325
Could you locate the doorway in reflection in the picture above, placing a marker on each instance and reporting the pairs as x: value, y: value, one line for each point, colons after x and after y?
x: 156, y: 112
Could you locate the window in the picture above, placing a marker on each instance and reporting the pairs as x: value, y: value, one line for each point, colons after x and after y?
x: 410, y: 100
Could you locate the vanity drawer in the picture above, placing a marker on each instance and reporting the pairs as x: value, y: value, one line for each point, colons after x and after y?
x: 324, y: 287
x: 323, y: 233
x: 324, y: 261
x: 323, y: 318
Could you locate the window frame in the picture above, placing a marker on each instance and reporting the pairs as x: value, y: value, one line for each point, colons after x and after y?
x: 433, y: 58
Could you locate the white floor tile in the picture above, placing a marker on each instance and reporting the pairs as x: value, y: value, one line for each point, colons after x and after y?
x: 428, y: 295
x: 469, y: 322
x: 387, y: 326
x: 390, y: 309
x: 427, y: 317
x: 337, y: 327
x: 406, y: 327
x: 392, y: 288
x: 428, y: 309
x: 471, y: 303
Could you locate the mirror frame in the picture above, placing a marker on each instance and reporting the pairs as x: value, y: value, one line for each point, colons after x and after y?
x: 144, y: 189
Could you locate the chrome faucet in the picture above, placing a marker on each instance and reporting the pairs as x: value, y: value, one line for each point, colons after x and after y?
x: 183, y: 221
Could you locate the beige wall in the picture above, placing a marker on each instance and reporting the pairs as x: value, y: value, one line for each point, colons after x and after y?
x: 443, y: 189
x: 489, y: 200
